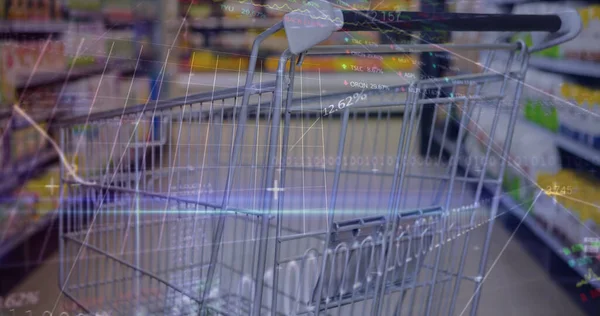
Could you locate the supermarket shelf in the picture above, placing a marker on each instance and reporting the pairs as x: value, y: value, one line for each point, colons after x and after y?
x: 229, y: 24
x: 41, y: 224
x: 47, y: 78
x: 509, y: 2
x: 24, y: 167
x: 20, y: 122
x: 231, y: 51
x: 111, y: 21
x: 571, y: 67
x: 8, y: 184
x: 307, y: 83
x: 578, y: 149
x: 512, y: 206
x: 21, y: 255
x: 97, y: 15
x: 19, y: 171
x: 84, y: 14
x: 567, y: 67
x: 47, y: 27
x: 115, y: 25
x: 16, y: 175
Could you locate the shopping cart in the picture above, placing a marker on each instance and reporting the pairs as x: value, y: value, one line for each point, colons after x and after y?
x: 263, y: 202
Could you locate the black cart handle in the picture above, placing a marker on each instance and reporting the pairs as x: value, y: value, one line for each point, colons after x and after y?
x: 318, y: 19
x: 468, y: 22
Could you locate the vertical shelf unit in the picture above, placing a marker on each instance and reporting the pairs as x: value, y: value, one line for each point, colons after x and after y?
x: 22, y: 252
x: 545, y: 243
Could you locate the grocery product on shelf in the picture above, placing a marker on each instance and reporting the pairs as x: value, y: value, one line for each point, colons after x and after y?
x: 531, y: 153
x: 122, y: 43
x: 351, y: 62
x: 39, y: 101
x: 207, y: 61
x: 579, y: 120
x: 36, y: 10
x: 570, y: 203
x: 185, y: 43
x: 26, y: 142
x: 35, y: 73
x: 583, y: 47
x: 84, y: 5
x: 246, y: 15
x: 28, y: 204
x: 45, y: 192
x: 18, y: 59
x: 386, y: 5
x: 563, y: 106
x: 90, y: 36
x: 347, y: 63
x: 78, y: 96
x: 118, y: 9
x: 138, y: 94
x: 468, y: 63
x: 539, y: 103
x: 196, y: 10
x: 103, y: 92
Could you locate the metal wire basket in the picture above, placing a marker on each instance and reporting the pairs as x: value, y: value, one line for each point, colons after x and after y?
x: 257, y: 202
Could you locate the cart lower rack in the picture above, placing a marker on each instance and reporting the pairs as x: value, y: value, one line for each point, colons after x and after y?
x: 263, y: 202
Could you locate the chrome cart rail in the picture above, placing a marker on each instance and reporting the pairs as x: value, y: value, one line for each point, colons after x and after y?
x: 262, y: 202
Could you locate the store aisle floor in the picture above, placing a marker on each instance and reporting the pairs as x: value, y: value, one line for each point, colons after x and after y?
x: 515, y: 286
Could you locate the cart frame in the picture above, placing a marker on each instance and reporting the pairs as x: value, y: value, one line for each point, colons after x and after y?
x: 116, y: 192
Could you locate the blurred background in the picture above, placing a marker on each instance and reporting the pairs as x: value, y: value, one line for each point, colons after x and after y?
x: 73, y: 57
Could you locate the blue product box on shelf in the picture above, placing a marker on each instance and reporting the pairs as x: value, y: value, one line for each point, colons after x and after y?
x: 597, y: 142
x: 567, y: 131
x: 583, y: 138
